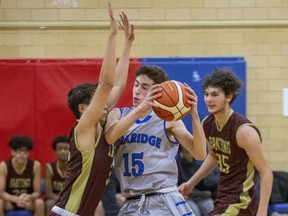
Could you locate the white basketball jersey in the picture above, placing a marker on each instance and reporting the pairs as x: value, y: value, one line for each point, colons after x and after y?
x: 145, y: 156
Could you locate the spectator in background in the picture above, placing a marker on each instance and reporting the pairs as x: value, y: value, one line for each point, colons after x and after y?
x: 20, y: 179
x: 201, y: 198
x: 56, y: 171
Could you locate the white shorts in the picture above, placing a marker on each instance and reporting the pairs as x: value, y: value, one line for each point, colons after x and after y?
x: 168, y: 204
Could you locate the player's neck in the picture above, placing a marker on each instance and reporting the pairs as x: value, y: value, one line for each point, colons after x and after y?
x: 61, y: 168
x: 222, y: 117
x: 19, y: 168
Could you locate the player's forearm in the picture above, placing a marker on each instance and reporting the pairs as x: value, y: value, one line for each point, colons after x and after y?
x: 208, y: 165
x: 199, y: 143
x: 34, y: 195
x: 121, y: 127
x: 107, y: 74
x: 122, y: 69
x: 266, y: 179
x: 123, y: 63
x: 9, y: 197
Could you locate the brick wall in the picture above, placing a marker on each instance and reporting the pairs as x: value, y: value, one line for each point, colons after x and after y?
x: 255, y: 29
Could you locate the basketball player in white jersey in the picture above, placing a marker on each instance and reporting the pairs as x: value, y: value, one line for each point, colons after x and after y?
x: 145, y: 156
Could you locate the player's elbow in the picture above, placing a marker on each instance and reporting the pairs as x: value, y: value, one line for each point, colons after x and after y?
x: 107, y: 84
x: 110, y: 139
x: 120, y: 88
x: 108, y: 80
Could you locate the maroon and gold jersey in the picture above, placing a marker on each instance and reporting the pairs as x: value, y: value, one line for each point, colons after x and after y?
x: 86, y: 176
x: 236, y: 194
x: 17, y: 184
x: 57, y: 178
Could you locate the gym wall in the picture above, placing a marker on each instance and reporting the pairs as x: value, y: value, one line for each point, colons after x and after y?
x: 254, y: 29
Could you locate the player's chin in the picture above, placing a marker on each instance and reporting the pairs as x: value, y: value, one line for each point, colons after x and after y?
x: 136, y: 103
x: 211, y: 110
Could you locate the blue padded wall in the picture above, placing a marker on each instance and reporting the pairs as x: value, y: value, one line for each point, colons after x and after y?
x: 193, y: 70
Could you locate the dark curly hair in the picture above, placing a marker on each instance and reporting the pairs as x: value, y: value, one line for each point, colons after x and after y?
x: 226, y: 80
x: 81, y: 94
x: 18, y: 142
x: 58, y: 139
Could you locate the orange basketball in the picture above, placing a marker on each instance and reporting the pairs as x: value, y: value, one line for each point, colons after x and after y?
x: 172, y: 102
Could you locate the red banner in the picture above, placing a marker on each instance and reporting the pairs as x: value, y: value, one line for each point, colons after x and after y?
x: 34, y: 99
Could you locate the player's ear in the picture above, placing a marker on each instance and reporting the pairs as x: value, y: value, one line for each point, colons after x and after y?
x: 82, y: 108
x: 229, y: 97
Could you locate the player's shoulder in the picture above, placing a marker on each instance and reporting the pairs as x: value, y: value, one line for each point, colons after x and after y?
x: 207, y: 118
x: 125, y: 110
x: 238, y: 115
x: 3, y: 164
x: 50, y: 164
x: 36, y: 163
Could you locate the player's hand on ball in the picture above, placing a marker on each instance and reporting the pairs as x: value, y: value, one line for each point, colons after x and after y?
x: 173, y: 103
x: 192, y: 97
x: 154, y: 93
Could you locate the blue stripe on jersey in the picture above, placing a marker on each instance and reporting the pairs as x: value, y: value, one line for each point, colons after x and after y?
x: 124, y: 109
x: 187, y: 214
x: 184, y: 203
x: 147, y: 118
x: 166, y: 134
x: 180, y: 203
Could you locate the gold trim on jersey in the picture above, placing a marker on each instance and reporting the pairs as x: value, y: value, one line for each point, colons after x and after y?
x: 79, y: 185
x: 220, y: 127
x: 245, y: 199
x: 61, y: 173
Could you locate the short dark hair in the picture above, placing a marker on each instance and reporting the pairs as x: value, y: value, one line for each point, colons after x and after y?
x: 81, y: 94
x: 154, y: 72
x: 58, y: 139
x: 18, y: 142
x: 226, y: 80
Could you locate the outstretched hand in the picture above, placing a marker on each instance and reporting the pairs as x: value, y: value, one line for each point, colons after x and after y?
x: 113, y: 21
x: 128, y: 29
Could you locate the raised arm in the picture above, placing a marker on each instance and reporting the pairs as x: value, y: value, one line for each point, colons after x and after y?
x: 85, y: 129
x: 122, y: 67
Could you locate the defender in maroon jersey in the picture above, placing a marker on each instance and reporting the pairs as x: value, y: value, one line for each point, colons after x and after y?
x: 235, y: 148
x: 90, y: 161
